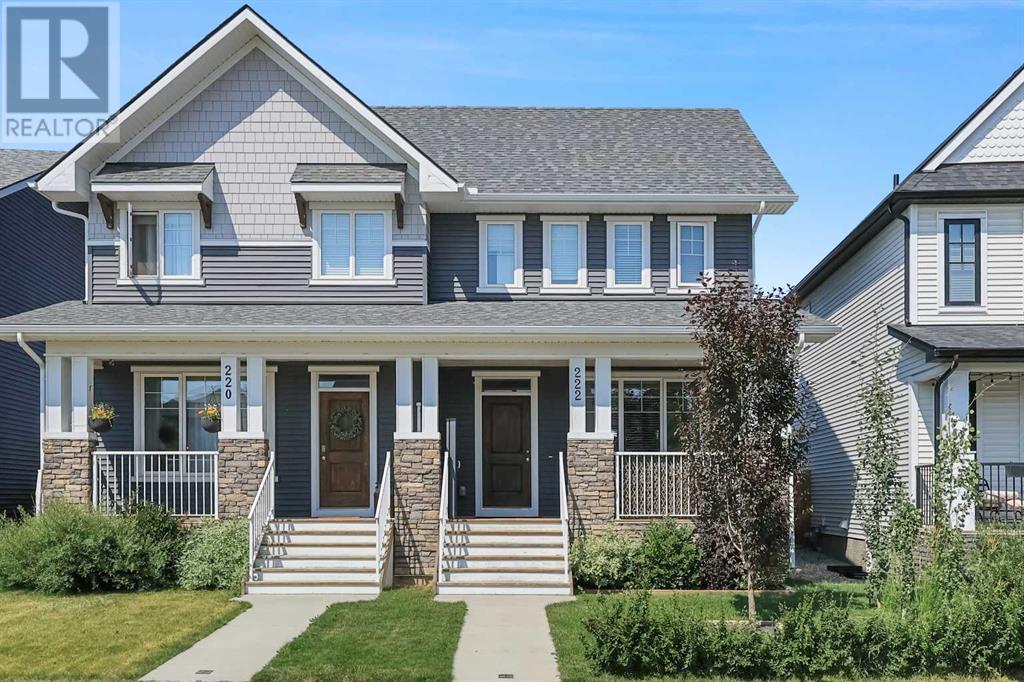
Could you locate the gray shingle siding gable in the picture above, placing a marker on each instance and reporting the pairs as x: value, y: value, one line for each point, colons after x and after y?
x: 454, y: 255
x: 41, y: 264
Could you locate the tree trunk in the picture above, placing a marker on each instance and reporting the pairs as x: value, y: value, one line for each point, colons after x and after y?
x: 751, y: 605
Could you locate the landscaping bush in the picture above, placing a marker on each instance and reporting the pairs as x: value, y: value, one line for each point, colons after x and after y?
x: 666, y: 557
x: 603, y: 561
x: 215, y: 556
x: 815, y: 639
x: 149, y: 542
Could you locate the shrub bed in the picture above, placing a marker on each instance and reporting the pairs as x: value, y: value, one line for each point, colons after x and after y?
x: 216, y: 556
x: 663, y: 557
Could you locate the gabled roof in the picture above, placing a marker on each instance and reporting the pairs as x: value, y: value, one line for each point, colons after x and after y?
x: 154, y: 172
x: 20, y: 164
x: 353, y: 173
x: 510, y: 150
x: 966, y: 177
x: 975, y: 341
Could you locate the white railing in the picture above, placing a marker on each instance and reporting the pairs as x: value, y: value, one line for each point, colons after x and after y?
x: 442, y: 517
x: 183, y: 483
x: 382, y: 515
x: 39, y: 492
x: 653, y: 484
x: 563, y: 513
x: 262, y: 512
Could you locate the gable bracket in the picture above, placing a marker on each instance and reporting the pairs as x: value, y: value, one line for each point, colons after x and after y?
x: 399, y: 211
x: 107, y: 206
x: 206, y: 208
x: 302, y: 207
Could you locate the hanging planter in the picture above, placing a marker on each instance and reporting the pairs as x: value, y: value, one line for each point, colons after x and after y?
x: 209, y: 418
x: 101, y: 418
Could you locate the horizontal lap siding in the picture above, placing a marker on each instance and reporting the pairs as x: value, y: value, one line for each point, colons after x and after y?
x: 861, y: 298
x: 30, y: 277
x: 260, y: 274
x: 114, y: 385
x: 455, y: 257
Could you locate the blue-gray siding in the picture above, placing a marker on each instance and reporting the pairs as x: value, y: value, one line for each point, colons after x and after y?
x: 41, y: 264
x: 260, y: 274
x: 454, y: 254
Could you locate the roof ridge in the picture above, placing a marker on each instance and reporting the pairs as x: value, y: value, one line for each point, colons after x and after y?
x: 544, y: 108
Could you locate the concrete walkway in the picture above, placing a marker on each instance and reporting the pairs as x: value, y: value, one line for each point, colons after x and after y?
x: 505, y: 638
x: 241, y: 648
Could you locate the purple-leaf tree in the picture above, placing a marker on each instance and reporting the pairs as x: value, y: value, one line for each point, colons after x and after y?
x: 745, y: 429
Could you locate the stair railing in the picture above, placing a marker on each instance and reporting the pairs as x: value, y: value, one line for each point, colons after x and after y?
x: 261, y: 513
x: 442, y: 517
x: 563, y: 514
x: 382, y: 516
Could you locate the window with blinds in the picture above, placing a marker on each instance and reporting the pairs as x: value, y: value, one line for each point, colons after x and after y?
x: 353, y: 245
x: 963, y: 261
x: 649, y: 410
x: 629, y: 261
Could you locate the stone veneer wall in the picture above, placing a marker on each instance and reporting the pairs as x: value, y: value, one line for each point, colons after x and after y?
x: 67, y: 471
x: 241, y: 463
x: 590, y: 468
x: 417, y: 481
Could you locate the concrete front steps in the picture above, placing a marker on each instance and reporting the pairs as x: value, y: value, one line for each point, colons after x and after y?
x: 317, y: 556
x: 503, y: 556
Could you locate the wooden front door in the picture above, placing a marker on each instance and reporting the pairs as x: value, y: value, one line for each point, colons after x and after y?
x: 506, y: 451
x: 345, y: 462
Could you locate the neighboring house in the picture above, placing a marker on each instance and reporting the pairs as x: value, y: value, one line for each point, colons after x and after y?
x: 362, y: 290
x: 34, y: 272
x: 936, y: 272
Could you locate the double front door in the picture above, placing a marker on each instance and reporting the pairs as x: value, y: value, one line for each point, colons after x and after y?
x: 345, y: 450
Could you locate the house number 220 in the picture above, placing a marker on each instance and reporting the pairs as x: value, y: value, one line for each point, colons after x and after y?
x: 229, y: 383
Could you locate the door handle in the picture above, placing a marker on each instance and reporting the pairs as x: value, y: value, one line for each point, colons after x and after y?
x: 323, y: 458
x: 323, y: 448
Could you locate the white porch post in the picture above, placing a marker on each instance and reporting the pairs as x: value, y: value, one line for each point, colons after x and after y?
x: 577, y: 396
x: 429, y: 388
x: 255, y: 373
x: 603, y: 396
x: 956, y: 398
x: 403, y: 395
x: 81, y: 377
x: 229, y: 421
x: 55, y: 395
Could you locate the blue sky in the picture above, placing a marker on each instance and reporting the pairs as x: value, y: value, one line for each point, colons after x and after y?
x: 842, y: 94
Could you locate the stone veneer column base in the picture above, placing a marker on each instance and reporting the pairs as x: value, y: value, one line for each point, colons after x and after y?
x: 590, y: 468
x: 417, y: 479
x: 241, y: 463
x: 67, y: 470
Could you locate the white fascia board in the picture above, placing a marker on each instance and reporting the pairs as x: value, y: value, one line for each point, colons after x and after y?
x: 976, y: 121
x: 137, y: 189
x: 595, y: 204
x: 473, y: 195
x: 315, y: 188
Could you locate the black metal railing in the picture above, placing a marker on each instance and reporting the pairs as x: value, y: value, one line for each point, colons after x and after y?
x: 1000, y: 492
x: 925, y: 480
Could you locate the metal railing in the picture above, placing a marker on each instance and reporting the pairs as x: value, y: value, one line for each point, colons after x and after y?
x: 183, y: 483
x: 925, y: 480
x: 385, y: 532
x: 447, y: 470
x: 653, y: 484
x: 262, y: 512
x: 563, y: 514
x: 1000, y: 492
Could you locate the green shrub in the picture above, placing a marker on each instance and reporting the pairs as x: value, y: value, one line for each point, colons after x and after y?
x: 604, y: 561
x: 215, y: 556
x: 888, y: 646
x: 666, y: 557
x: 149, y: 543
x: 815, y: 639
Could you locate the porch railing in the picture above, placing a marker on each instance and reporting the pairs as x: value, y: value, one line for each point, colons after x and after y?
x: 925, y: 481
x: 653, y: 484
x: 563, y: 514
x: 385, y: 526
x: 262, y: 512
x: 444, y: 512
x: 1001, y: 492
x: 39, y: 492
x: 183, y: 483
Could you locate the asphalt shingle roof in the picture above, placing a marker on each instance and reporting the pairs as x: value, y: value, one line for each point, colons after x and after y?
x: 466, y: 315
x: 593, y: 151
x: 349, y: 172
x: 966, y: 177
x: 155, y: 172
x: 967, y: 340
x: 19, y: 164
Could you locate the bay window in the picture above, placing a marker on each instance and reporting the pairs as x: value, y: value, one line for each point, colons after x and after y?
x: 565, y: 253
x: 692, y: 251
x: 501, y: 254
x: 352, y: 245
x: 161, y: 244
x: 649, y: 410
x: 629, y: 253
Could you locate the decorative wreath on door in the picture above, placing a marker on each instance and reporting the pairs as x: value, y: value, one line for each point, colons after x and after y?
x: 346, y: 423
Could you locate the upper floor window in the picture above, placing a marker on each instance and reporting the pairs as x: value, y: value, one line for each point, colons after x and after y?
x: 963, y: 261
x: 565, y: 253
x: 501, y: 254
x: 629, y: 253
x: 692, y: 251
x: 162, y: 243
x: 352, y: 245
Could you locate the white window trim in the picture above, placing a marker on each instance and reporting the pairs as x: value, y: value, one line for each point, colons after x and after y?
x: 517, y: 286
x: 580, y: 286
x: 708, y: 223
x: 941, y: 216
x: 315, y: 371
x: 320, y: 279
x: 645, y: 284
x: 662, y: 378
x: 124, y: 244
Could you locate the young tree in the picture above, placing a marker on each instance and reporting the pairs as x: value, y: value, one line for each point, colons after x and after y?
x: 745, y: 409
x: 954, y: 494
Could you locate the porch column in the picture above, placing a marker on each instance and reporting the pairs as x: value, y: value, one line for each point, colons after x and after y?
x: 590, y: 456
x: 241, y: 456
x: 577, y: 396
x: 956, y: 398
x: 67, y: 443
x: 403, y: 395
x: 603, y: 396
x: 429, y: 389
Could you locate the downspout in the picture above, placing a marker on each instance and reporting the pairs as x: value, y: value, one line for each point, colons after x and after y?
x: 85, y: 246
x: 801, y: 344
x: 937, y: 398
x: 42, y: 403
x: 753, y: 233
x: 906, y: 261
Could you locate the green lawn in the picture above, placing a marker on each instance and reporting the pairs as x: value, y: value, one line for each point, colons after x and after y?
x: 402, y: 635
x: 103, y: 636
